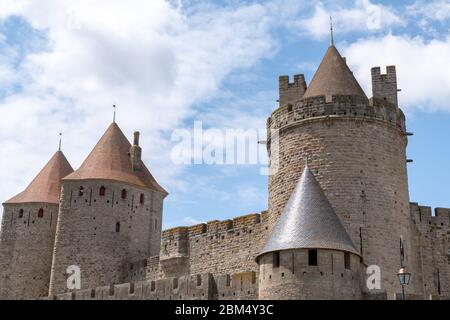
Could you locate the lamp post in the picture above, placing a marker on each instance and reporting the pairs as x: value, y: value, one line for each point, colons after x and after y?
x: 404, y: 278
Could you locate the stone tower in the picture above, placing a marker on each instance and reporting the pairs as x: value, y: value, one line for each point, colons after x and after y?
x: 357, y: 151
x: 28, y: 233
x: 309, y: 254
x: 110, y: 215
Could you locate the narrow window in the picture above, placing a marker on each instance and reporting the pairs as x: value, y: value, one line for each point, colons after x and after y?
x: 102, y: 191
x: 347, y: 260
x: 312, y: 257
x: 118, y: 227
x: 175, y: 283
x: 21, y: 213
x: 152, y: 286
x: 81, y: 191
x: 276, y: 259
x: 199, y: 280
x: 124, y: 194
x: 156, y: 224
x: 41, y: 213
x: 141, y: 198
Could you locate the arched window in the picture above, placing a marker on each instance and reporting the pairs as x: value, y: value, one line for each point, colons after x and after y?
x: 21, y: 213
x: 118, y: 227
x: 141, y: 198
x: 81, y: 191
x: 102, y: 191
x: 124, y: 194
x: 41, y: 213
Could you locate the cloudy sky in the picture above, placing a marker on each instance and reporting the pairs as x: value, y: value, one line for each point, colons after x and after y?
x: 167, y: 64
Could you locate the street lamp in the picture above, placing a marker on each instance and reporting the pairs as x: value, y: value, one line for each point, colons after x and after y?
x: 404, y: 278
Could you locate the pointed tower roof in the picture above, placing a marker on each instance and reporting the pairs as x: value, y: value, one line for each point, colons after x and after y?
x: 333, y: 77
x: 46, y: 186
x: 110, y: 160
x: 308, y: 221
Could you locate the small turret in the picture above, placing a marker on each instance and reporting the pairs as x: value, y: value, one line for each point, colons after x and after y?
x: 290, y: 92
x: 384, y: 86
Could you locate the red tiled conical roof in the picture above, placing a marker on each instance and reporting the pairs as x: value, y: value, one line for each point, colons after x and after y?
x: 333, y: 77
x: 110, y: 160
x: 46, y: 186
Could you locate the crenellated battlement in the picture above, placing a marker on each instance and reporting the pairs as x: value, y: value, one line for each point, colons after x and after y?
x: 291, y: 92
x: 214, y: 226
x: 202, y: 248
x: 347, y: 107
x: 191, y: 287
x: 423, y: 216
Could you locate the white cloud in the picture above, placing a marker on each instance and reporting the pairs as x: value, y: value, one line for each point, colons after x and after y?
x: 152, y: 59
x: 429, y: 14
x: 438, y: 10
x: 363, y: 16
x: 422, y: 68
x: 189, y: 221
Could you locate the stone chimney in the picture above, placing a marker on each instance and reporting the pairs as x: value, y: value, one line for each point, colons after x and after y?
x: 135, y: 152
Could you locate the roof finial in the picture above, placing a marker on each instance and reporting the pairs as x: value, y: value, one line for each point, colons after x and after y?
x: 331, y: 32
x: 60, y: 138
x: 114, y: 113
x: 306, y: 160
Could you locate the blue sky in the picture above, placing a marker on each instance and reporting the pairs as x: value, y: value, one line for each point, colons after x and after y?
x: 167, y: 64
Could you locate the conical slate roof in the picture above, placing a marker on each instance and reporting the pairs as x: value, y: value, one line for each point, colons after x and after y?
x: 110, y: 160
x: 308, y: 221
x: 46, y: 186
x: 333, y: 77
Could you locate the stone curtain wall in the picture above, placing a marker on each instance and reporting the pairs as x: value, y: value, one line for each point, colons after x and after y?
x: 430, y: 263
x: 217, y: 247
x: 241, y: 286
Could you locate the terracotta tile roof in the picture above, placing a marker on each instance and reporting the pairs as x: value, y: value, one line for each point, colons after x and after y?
x: 46, y: 186
x: 110, y: 160
x: 333, y: 77
x: 308, y: 221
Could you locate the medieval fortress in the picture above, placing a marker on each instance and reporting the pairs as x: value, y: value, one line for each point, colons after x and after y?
x: 329, y: 217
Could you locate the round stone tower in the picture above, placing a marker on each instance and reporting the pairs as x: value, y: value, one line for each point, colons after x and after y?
x: 110, y: 215
x: 357, y: 150
x: 28, y: 233
x: 309, y: 254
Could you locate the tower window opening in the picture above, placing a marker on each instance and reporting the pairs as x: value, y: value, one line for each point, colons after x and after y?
x: 141, y: 199
x: 41, y: 213
x: 175, y: 283
x: 118, y: 227
x: 347, y: 260
x: 124, y: 194
x: 276, y: 259
x: 312, y: 257
x: 102, y: 191
x: 21, y: 213
x: 81, y: 191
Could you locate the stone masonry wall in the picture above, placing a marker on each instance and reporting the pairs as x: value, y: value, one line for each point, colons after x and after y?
x: 430, y: 265
x: 294, y: 279
x: 26, y: 248
x: 104, y: 234
x: 241, y: 286
x: 357, y: 151
x: 217, y: 247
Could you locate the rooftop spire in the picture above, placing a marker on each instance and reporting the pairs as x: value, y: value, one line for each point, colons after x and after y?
x: 331, y: 32
x: 114, y: 113
x: 60, y: 138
